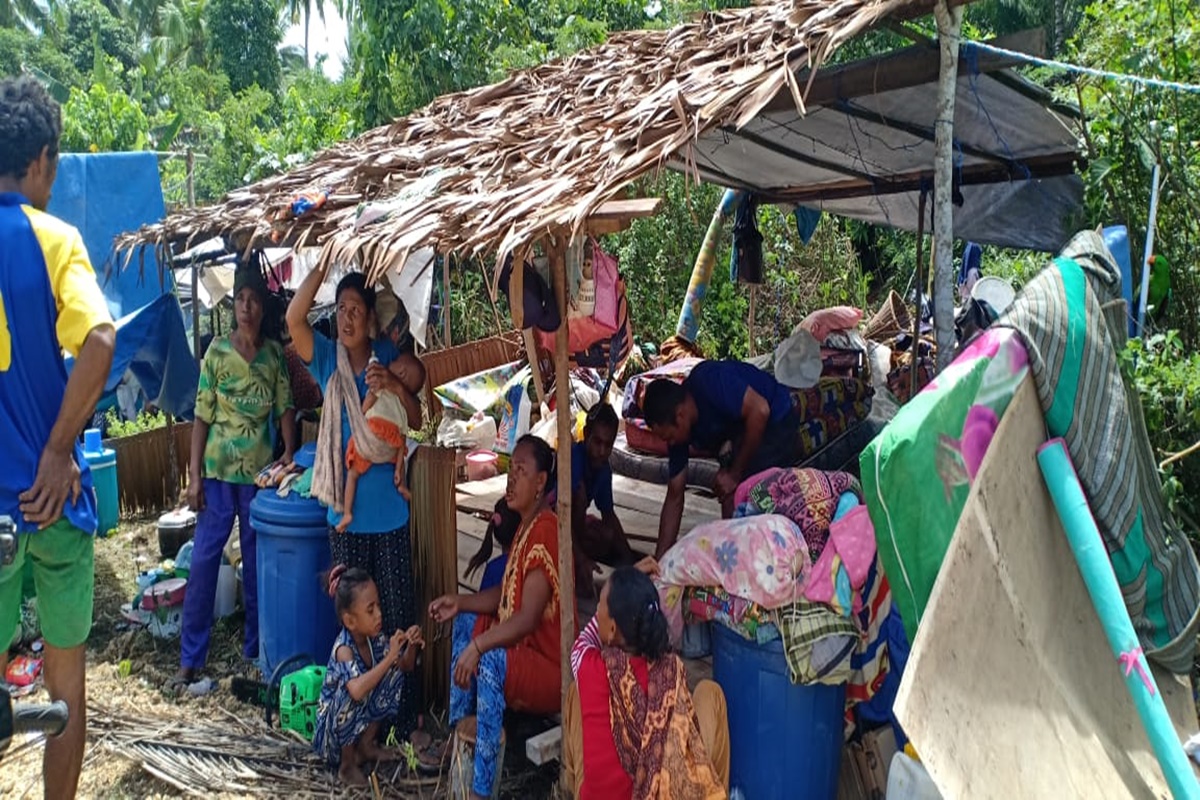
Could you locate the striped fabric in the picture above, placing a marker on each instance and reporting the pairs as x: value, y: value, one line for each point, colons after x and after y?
x: 1073, y: 324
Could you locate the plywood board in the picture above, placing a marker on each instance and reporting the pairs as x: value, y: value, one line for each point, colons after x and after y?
x: 1011, y: 689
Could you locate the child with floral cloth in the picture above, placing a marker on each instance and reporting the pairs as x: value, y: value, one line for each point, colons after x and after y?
x: 364, y: 679
x: 388, y: 420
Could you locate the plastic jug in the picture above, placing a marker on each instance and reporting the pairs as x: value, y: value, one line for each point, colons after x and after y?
x: 102, y: 461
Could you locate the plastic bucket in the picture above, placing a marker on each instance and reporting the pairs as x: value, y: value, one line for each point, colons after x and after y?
x: 102, y: 462
x: 481, y: 465
x: 785, y: 741
x: 295, y: 617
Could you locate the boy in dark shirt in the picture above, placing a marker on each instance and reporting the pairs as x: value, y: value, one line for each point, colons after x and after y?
x: 719, y: 403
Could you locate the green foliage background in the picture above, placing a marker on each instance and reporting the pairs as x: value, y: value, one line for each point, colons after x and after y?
x: 210, y: 76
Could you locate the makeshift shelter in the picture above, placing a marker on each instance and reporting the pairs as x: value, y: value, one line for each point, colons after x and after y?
x: 105, y: 196
x: 544, y: 156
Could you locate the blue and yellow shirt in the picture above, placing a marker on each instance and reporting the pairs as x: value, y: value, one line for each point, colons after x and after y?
x: 49, y: 302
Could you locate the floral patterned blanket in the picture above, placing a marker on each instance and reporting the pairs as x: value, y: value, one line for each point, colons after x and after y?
x: 763, y: 559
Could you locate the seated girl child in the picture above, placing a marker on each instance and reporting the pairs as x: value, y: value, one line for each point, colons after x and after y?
x: 631, y: 728
x: 502, y: 528
x: 388, y: 420
x: 365, y: 675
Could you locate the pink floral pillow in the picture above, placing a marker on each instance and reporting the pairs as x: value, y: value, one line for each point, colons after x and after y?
x: 824, y: 322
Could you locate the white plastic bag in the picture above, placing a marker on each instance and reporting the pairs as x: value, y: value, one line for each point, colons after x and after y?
x: 476, y: 433
x: 798, y: 360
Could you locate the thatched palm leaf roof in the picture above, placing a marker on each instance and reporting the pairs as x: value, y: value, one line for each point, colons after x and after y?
x: 496, y: 168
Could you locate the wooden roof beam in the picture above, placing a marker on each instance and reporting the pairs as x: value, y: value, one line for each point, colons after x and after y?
x: 617, y: 215
x: 1051, y: 166
x: 903, y: 69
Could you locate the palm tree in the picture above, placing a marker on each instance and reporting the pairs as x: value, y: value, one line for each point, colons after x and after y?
x: 301, y: 10
x: 179, y: 33
x: 29, y: 14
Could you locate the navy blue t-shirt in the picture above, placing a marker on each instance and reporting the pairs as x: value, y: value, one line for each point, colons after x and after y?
x: 719, y: 389
x: 597, y: 484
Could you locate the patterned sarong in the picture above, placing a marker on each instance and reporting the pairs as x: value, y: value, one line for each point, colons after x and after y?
x: 1073, y: 324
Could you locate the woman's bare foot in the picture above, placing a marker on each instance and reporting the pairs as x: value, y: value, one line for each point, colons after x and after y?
x: 342, y: 526
x: 350, y: 775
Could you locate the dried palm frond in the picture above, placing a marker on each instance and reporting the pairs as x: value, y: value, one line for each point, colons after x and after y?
x: 499, y: 167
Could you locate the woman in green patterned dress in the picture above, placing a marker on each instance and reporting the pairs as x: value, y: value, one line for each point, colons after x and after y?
x: 244, y: 395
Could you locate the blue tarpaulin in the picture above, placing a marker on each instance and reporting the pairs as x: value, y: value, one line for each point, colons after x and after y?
x: 105, y: 195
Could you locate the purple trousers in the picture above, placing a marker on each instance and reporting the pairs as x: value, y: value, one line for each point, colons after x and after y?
x: 223, y: 502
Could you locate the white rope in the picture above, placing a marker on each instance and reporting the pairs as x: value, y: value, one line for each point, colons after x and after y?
x: 1095, y: 73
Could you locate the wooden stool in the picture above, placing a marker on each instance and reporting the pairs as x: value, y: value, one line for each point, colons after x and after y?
x: 462, y: 760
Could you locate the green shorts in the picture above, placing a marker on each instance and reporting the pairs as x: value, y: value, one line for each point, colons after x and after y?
x: 63, y: 562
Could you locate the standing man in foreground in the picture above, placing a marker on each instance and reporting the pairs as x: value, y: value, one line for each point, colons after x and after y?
x: 49, y: 302
x: 720, y: 403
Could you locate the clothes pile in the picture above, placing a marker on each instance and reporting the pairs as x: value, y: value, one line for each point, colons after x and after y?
x: 797, y: 563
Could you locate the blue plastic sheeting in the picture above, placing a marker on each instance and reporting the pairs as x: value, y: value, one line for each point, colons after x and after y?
x: 104, y: 196
x: 152, y: 344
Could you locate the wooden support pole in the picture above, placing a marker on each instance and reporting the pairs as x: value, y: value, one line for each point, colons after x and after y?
x: 539, y: 388
x: 191, y: 195
x: 750, y: 319
x: 559, y: 253
x: 949, y: 24
x: 446, y: 301
x: 920, y: 283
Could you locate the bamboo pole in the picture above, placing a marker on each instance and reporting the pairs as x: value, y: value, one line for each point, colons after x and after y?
x: 539, y: 388
x: 559, y: 253
x: 949, y: 24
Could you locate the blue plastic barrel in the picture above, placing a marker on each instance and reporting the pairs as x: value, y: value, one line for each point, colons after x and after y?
x: 785, y: 741
x: 102, y: 462
x: 295, y: 617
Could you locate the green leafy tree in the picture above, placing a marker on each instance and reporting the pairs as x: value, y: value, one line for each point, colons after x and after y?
x: 21, y: 50
x: 243, y: 42
x: 28, y: 14
x: 101, y: 120
x: 90, y: 24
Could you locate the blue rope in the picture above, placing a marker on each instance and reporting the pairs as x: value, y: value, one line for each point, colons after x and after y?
x: 1119, y: 77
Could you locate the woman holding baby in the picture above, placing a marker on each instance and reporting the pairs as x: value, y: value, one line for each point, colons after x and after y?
x: 371, y: 394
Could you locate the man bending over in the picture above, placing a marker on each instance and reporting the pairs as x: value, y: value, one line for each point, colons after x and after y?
x: 721, y: 405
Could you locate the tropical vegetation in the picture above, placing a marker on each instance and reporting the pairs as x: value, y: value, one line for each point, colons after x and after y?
x: 211, y: 77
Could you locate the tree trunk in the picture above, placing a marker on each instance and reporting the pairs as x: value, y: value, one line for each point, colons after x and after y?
x: 949, y: 23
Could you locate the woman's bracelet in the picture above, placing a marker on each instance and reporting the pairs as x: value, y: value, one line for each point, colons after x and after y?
x: 478, y: 649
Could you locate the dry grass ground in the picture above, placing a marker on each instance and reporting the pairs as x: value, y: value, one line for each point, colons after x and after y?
x: 124, y: 709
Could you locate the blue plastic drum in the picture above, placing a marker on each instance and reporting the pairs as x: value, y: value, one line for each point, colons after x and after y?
x: 295, y: 617
x: 785, y: 741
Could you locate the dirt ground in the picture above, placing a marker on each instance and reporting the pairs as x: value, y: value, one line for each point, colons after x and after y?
x: 108, y: 770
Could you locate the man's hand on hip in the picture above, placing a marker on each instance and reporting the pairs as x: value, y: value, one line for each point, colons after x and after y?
x: 58, y: 478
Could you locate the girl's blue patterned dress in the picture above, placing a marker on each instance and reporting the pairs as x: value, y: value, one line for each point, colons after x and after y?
x: 340, y: 720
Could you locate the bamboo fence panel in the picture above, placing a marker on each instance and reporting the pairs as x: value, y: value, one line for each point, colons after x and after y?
x: 144, y: 469
x: 434, y: 527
